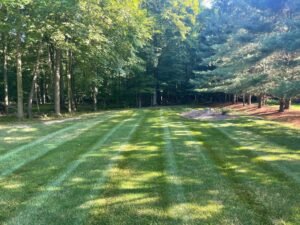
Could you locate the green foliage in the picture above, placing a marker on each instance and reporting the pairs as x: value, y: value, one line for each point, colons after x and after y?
x: 240, y: 56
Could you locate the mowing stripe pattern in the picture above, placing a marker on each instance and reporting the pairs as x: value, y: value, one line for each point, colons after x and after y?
x: 32, y: 151
x: 151, y: 166
x: 38, y: 201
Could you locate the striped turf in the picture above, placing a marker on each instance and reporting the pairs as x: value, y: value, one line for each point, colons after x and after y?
x: 152, y: 167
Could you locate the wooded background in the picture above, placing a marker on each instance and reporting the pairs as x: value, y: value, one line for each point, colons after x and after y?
x: 63, y: 55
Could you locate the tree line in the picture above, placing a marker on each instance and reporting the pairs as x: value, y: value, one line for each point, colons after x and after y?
x: 100, y: 52
x: 250, y: 48
x: 133, y: 53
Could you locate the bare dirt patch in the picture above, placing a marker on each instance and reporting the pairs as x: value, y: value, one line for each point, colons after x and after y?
x: 291, y: 116
x: 207, y: 114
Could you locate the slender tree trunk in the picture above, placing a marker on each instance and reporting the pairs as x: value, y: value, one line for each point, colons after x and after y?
x: 260, y: 101
x: 234, y: 100
x: 5, y: 80
x: 264, y: 99
x: 62, y: 86
x: 36, y: 72
x: 249, y: 99
x: 51, y: 81
x: 37, y: 100
x: 244, y: 99
x: 57, y: 83
x: 95, y: 94
x: 74, y: 106
x: 281, y: 105
x: 154, y: 101
x: 288, y: 103
x: 156, y: 86
x: 44, y: 84
x: 19, y: 77
x: 140, y: 101
x: 69, y: 77
x: 39, y: 92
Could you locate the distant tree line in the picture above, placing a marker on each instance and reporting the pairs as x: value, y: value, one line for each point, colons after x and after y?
x: 134, y: 53
x: 106, y: 53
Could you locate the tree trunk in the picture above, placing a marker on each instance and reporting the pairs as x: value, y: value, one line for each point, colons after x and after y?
x: 37, y: 99
x: 62, y: 87
x: 288, y: 103
x: 57, y: 83
x: 225, y: 98
x: 36, y: 72
x: 44, y: 98
x: 74, y: 106
x: 5, y: 81
x: 154, y: 101
x: 281, y: 105
x: 69, y: 77
x: 249, y: 99
x: 234, y: 100
x: 260, y: 101
x: 263, y: 99
x: 139, y: 101
x: 19, y: 77
x: 244, y: 99
x: 95, y: 94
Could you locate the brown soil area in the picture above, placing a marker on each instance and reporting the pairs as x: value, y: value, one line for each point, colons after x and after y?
x: 271, y: 113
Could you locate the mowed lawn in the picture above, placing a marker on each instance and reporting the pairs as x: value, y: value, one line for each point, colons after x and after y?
x: 149, y: 166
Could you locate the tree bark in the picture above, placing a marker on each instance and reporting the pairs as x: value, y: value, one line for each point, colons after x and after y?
x: 260, y: 101
x: 244, y: 99
x: 62, y: 86
x: 263, y: 99
x: 5, y: 80
x: 288, y: 103
x: 44, y: 83
x: 249, y: 99
x: 37, y: 99
x: 57, y: 83
x: 154, y: 101
x: 138, y: 100
x: 20, y: 109
x: 74, y: 106
x: 234, y: 100
x: 36, y: 72
x: 282, y: 105
x: 69, y: 78
x: 95, y: 94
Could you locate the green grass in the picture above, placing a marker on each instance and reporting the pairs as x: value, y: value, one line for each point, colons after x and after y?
x: 149, y: 166
x: 293, y: 107
x: 296, y: 106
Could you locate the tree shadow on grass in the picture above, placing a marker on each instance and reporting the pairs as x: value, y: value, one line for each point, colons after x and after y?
x: 31, y: 180
x: 265, y: 186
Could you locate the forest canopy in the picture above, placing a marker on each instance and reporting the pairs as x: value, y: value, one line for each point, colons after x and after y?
x: 111, y: 53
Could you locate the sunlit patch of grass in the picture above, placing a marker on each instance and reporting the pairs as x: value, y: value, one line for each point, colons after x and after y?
x: 10, y: 140
x: 202, y: 212
x: 279, y: 157
x: 11, y: 185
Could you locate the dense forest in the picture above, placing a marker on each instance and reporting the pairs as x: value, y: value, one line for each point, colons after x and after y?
x: 134, y: 53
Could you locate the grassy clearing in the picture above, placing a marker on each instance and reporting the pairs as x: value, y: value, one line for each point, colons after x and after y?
x: 150, y: 167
